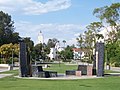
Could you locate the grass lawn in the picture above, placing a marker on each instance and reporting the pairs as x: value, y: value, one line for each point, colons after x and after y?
x: 62, y: 68
x: 106, y: 83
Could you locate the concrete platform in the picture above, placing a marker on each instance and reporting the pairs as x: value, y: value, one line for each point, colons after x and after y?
x: 61, y: 77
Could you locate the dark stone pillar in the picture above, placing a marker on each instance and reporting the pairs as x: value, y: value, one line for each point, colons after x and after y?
x: 23, y: 60
x: 29, y: 72
x: 100, y: 59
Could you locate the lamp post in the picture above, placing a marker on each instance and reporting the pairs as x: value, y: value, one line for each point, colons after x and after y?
x: 1, y: 57
x: 12, y: 57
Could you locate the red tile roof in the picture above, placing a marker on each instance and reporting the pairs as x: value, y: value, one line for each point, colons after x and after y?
x: 79, y: 49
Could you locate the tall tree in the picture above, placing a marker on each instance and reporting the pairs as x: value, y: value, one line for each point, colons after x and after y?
x: 110, y: 17
x: 89, y: 43
x: 7, y: 34
x: 37, y: 52
x: 29, y: 43
x: 64, y: 42
x: 80, y: 40
x: 52, y: 42
x: 95, y: 28
x: 67, y: 54
x: 41, y: 51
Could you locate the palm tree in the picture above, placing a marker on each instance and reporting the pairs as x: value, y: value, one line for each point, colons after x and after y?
x: 64, y: 43
x: 80, y: 40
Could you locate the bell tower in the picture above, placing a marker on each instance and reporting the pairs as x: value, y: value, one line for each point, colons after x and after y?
x: 40, y: 37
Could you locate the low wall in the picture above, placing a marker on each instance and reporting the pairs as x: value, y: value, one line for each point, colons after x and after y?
x: 6, y: 66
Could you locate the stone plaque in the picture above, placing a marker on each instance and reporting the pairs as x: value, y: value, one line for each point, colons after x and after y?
x: 83, y: 69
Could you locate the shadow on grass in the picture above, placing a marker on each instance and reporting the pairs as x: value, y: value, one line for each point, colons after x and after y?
x: 111, y: 74
x: 85, y: 86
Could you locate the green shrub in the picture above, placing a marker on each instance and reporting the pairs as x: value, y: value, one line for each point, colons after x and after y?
x: 117, y: 64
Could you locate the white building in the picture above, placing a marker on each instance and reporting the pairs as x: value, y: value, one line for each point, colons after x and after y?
x: 40, y: 38
x: 53, y: 53
x: 58, y: 47
x: 80, y: 53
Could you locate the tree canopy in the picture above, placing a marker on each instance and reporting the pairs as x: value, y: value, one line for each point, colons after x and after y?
x: 6, y: 51
x: 67, y: 54
x: 7, y: 34
x: 52, y: 42
x: 109, y: 17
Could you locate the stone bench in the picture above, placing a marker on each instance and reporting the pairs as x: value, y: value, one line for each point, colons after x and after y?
x: 70, y: 72
x: 37, y: 71
x: 47, y: 74
x: 52, y: 73
x: 82, y: 70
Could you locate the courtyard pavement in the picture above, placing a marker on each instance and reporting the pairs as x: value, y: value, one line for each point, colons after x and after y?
x: 61, y: 77
x: 4, y: 70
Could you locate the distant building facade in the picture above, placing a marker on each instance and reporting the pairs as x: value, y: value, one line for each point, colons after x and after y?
x: 80, y: 53
x: 53, y: 53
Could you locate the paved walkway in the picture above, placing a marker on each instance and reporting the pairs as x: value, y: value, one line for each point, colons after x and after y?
x: 5, y: 69
x: 61, y: 77
x: 5, y: 75
x: 115, y: 69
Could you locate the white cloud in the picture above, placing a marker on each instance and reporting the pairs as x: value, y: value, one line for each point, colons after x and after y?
x: 32, y: 7
x: 59, y: 31
x: 76, y: 34
x: 72, y: 41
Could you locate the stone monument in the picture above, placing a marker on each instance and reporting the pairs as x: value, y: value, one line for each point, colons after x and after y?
x: 23, y: 60
x: 99, y: 59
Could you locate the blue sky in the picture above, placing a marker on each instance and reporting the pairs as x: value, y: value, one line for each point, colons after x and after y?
x: 61, y: 19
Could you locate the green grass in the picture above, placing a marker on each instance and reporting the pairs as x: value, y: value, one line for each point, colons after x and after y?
x: 106, y: 83
x: 10, y: 83
x: 62, y: 68
x: 109, y: 71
